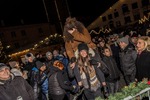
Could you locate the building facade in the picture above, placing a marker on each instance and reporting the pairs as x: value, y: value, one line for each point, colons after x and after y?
x: 23, y: 37
x: 123, y: 12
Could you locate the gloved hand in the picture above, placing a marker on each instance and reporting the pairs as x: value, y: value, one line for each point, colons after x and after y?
x: 67, y: 83
x: 106, y: 91
x: 76, y: 89
x: 93, y: 62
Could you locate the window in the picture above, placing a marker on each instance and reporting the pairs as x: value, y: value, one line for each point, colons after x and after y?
x: 23, y: 32
x: 136, y: 17
x: 116, y: 14
x: 40, y: 30
x: 125, y: 8
x: 111, y: 24
x: 104, y: 18
x: 17, y: 45
x: 146, y: 12
x: 13, y: 34
x: 110, y: 16
x: 134, y: 5
x: 118, y: 23
x: 145, y: 3
x: 1, y: 34
x: 127, y: 19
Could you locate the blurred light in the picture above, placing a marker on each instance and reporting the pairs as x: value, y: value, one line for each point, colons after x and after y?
x: 8, y: 46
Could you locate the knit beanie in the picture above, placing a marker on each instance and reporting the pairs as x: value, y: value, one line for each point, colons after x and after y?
x: 123, y: 39
x: 83, y: 46
x: 2, y: 65
x: 39, y: 64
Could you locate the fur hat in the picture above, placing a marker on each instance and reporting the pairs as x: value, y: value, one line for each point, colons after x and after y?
x: 2, y: 65
x: 83, y: 46
x: 123, y: 39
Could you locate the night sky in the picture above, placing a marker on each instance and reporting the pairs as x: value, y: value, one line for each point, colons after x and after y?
x: 32, y: 11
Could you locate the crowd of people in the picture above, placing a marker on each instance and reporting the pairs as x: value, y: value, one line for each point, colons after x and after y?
x: 83, y: 69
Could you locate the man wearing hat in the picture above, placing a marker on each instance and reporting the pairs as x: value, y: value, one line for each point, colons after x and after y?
x: 127, y: 57
x: 43, y: 79
x: 12, y: 87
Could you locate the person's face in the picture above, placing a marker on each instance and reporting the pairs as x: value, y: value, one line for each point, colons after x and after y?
x: 122, y: 45
x: 107, y: 52
x: 83, y: 53
x: 134, y: 40
x: 4, y: 74
x: 55, y: 52
x: 50, y: 56
x: 102, y: 43
x: 43, y: 68
x: 30, y: 59
x: 140, y: 45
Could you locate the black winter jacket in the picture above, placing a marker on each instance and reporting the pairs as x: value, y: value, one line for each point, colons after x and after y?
x: 143, y: 66
x: 127, y: 60
x: 113, y: 69
x: 57, y: 82
x: 16, y: 88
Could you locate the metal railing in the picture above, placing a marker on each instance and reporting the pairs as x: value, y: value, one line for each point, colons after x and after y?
x: 139, y: 95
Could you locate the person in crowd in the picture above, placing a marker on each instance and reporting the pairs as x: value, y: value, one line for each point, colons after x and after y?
x: 43, y: 79
x: 57, y: 55
x: 39, y: 56
x: 127, y: 56
x: 15, y: 68
x: 29, y: 64
x: 92, y: 78
x: 143, y: 58
x: 33, y: 74
x: 74, y: 34
x: 65, y: 59
x: 112, y: 79
x: 13, y: 87
x: 49, y: 59
x: 101, y: 45
x: 115, y: 48
x: 58, y: 85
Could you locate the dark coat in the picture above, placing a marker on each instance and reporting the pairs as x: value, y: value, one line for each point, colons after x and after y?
x: 113, y: 69
x: 127, y: 60
x: 15, y: 89
x: 58, y: 82
x: 143, y: 66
